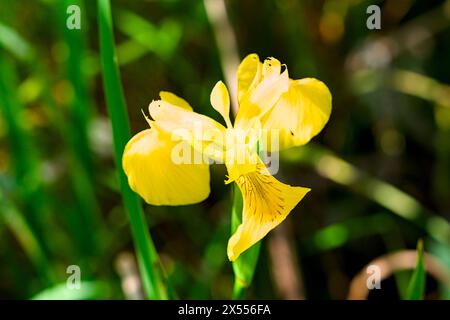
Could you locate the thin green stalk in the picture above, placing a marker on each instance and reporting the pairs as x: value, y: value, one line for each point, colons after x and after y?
x: 147, y: 257
x: 239, y: 290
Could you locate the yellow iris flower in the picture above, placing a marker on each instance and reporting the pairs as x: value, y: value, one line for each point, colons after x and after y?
x: 290, y: 112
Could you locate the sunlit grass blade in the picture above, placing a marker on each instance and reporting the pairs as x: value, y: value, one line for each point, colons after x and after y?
x: 148, y: 259
x: 330, y: 166
x: 416, y: 287
x: 13, y: 42
x: 89, y: 290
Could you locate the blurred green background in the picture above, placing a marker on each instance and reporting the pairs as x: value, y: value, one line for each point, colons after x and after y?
x: 379, y: 172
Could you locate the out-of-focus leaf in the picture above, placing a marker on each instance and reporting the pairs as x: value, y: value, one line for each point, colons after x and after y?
x: 88, y: 290
x: 443, y: 252
x: 332, y: 167
x: 162, y: 40
x: 13, y: 42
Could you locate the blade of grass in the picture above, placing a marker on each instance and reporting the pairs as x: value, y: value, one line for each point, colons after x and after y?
x: 79, y: 107
x: 416, y: 287
x: 330, y: 166
x: 25, y: 156
x: 18, y: 225
x: 76, y: 130
x: 148, y: 259
x: 80, y: 179
x: 13, y: 42
x: 89, y: 290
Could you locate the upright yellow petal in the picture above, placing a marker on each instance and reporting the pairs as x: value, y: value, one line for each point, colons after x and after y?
x: 271, y: 67
x: 300, y: 114
x: 267, y: 202
x: 154, y: 171
x: 248, y: 74
x: 220, y: 100
x: 175, y: 100
x: 259, y: 100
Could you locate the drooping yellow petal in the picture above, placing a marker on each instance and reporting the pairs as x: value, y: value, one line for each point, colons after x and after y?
x: 300, y: 114
x: 259, y: 100
x: 248, y: 74
x: 220, y: 100
x: 159, y: 175
x: 267, y: 202
x: 175, y: 100
x: 203, y: 133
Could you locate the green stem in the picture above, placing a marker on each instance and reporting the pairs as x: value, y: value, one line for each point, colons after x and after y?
x: 238, y: 290
x: 147, y: 257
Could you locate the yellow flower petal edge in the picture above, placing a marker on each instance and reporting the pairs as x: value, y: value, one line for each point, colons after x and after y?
x: 152, y: 173
x: 248, y: 74
x: 267, y: 202
x: 175, y: 100
x: 203, y: 133
x: 299, y: 115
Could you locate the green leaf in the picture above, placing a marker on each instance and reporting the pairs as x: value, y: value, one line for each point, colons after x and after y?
x: 148, y: 259
x: 416, y: 287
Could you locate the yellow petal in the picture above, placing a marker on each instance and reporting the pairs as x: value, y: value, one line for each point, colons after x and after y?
x: 175, y: 100
x: 260, y: 99
x: 271, y: 66
x: 220, y: 100
x: 203, y: 133
x: 153, y: 172
x: 267, y: 202
x: 248, y: 74
x: 300, y: 114
x: 241, y: 152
